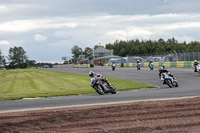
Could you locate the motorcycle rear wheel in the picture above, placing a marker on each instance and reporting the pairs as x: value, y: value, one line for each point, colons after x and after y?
x: 114, y: 91
x: 176, y: 85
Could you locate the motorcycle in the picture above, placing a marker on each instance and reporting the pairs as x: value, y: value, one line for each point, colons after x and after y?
x: 102, y: 86
x: 197, y: 68
x: 170, y: 81
x: 151, y: 66
x: 138, y: 66
x: 113, y: 67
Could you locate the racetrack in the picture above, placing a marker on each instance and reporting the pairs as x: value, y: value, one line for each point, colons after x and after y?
x: 166, y: 116
x: 187, y: 79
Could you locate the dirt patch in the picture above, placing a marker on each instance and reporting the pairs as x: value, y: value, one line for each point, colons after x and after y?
x: 172, y: 116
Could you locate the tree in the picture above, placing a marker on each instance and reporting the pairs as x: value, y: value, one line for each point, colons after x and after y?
x: 88, y: 52
x: 109, y: 46
x: 17, y: 57
x: 1, y: 58
x: 31, y: 63
x: 135, y: 47
x: 122, y: 52
x: 76, y: 51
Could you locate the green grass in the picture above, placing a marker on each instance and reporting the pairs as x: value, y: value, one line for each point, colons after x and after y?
x: 30, y: 83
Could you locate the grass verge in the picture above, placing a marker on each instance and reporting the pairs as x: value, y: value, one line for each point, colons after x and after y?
x: 31, y: 83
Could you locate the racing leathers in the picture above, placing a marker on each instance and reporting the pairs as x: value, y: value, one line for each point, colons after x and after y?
x: 167, y: 72
x: 96, y: 77
x: 195, y: 65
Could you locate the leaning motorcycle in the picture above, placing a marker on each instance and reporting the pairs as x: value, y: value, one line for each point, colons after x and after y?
x: 170, y: 81
x: 102, y: 86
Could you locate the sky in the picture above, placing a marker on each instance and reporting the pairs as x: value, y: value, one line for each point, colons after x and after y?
x: 48, y: 29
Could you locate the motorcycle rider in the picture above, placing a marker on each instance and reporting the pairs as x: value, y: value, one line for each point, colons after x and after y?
x: 94, y: 76
x: 195, y: 65
x: 113, y: 66
x: 196, y: 62
x: 151, y: 64
x: 137, y: 63
x: 165, y: 71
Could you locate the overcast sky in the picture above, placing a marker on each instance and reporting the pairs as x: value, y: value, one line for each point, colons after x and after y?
x: 48, y: 29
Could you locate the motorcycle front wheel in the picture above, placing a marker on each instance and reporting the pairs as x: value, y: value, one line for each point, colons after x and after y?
x: 99, y: 89
x: 168, y: 83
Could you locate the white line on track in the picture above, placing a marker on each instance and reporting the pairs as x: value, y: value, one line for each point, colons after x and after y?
x: 84, y: 105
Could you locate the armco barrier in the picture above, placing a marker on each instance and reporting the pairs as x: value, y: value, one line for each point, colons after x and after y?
x: 173, y: 64
x: 180, y: 64
x: 167, y: 64
x: 159, y: 64
x: 156, y: 64
x: 130, y: 64
x: 142, y: 64
x: 146, y: 64
x: 187, y: 63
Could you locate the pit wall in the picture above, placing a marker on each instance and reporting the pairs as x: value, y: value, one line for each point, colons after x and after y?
x: 158, y: 64
x: 74, y: 66
x: 83, y: 66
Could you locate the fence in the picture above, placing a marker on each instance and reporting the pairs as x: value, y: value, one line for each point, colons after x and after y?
x: 166, y: 57
x: 174, y: 59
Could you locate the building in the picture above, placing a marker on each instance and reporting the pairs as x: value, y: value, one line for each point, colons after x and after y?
x: 102, y: 55
x: 99, y: 61
x: 100, y: 51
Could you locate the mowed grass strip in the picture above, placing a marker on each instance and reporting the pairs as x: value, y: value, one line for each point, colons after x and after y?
x: 31, y: 83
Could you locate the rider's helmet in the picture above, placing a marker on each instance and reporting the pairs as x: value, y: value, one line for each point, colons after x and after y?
x: 91, y: 73
x: 160, y: 69
x: 195, y: 61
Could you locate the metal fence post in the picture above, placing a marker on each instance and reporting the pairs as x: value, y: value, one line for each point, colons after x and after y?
x: 176, y: 55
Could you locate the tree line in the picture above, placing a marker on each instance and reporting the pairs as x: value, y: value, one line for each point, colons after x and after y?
x: 17, y: 58
x: 137, y: 47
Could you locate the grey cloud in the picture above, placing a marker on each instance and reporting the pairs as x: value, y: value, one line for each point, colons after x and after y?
x: 36, y: 8
x: 64, y: 23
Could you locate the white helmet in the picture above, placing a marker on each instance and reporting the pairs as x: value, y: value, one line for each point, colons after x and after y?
x: 91, y: 73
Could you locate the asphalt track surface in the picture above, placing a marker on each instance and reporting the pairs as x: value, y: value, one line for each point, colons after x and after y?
x: 189, y: 85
